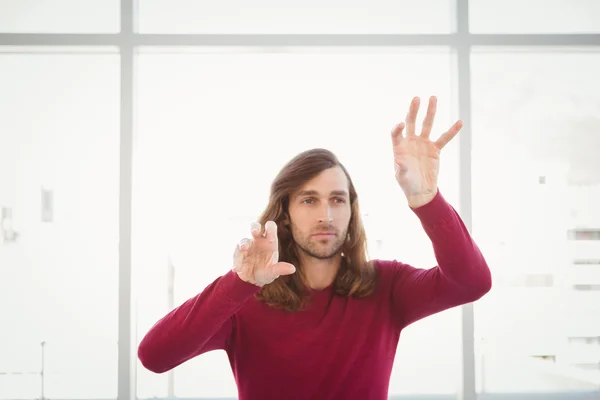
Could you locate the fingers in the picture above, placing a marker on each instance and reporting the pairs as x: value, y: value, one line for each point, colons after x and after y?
x: 397, y: 133
x: 271, y: 231
x: 273, y: 272
x: 411, y: 120
x: 449, y: 135
x: 282, y: 268
x: 256, y: 229
x: 274, y: 257
x: 429, y: 117
x: 241, y: 248
x: 259, y: 255
x: 245, y: 244
x: 411, y: 117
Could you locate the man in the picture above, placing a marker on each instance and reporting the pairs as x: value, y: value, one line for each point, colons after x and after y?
x: 303, y: 314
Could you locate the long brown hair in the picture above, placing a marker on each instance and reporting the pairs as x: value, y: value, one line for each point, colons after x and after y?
x: 356, y: 276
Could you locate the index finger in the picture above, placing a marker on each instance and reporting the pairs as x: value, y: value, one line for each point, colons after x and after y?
x: 271, y: 231
x: 411, y: 117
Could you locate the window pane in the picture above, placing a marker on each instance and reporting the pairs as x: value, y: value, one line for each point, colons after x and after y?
x: 59, y: 16
x: 59, y: 135
x: 536, y: 182
x: 208, y: 116
x: 286, y: 17
x: 534, y: 16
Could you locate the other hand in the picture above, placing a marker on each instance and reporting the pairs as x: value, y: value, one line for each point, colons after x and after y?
x: 256, y: 259
x: 416, y: 157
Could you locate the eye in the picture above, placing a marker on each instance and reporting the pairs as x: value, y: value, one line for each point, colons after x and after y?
x: 340, y: 200
x: 307, y: 201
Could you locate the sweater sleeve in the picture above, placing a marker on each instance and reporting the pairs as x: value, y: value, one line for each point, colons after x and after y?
x: 201, y: 324
x: 461, y: 276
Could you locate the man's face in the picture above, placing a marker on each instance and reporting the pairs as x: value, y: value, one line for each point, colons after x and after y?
x: 320, y: 213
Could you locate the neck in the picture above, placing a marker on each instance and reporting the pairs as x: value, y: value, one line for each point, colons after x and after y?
x: 320, y: 273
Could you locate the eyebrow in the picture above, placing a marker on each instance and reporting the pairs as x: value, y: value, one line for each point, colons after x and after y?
x: 342, y: 193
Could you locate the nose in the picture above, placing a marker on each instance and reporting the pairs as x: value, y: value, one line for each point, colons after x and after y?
x: 326, y: 216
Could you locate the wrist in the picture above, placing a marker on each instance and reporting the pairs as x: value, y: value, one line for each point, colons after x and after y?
x: 421, y: 199
x: 235, y: 288
x: 248, y: 279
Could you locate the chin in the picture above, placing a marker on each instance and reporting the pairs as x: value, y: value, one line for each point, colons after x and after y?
x: 320, y: 255
x: 324, y: 255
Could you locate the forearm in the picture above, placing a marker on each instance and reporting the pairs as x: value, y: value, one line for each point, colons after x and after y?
x: 459, y: 258
x: 201, y: 324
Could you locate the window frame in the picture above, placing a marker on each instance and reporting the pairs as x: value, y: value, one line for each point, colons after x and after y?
x: 128, y: 41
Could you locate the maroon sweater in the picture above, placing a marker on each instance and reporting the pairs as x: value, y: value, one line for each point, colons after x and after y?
x: 339, y: 348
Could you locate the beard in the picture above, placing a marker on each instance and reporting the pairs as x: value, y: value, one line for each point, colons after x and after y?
x: 320, y: 249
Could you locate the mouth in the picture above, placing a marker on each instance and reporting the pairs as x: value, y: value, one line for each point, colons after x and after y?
x: 324, y: 234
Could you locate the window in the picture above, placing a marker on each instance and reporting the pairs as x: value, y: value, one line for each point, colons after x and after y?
x: 288, y: 17
x: 200, y: 112
x: 535, y: 113
x: 59, y: 136
x: 534, y: 16
x: 535, y: 189
x: 59, y: 16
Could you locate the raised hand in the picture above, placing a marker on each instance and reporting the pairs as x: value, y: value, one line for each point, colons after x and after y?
x: 416, y: 157
x: 256, y: 260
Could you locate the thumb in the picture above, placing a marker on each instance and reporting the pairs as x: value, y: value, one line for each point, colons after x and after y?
x: 283, y: 268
